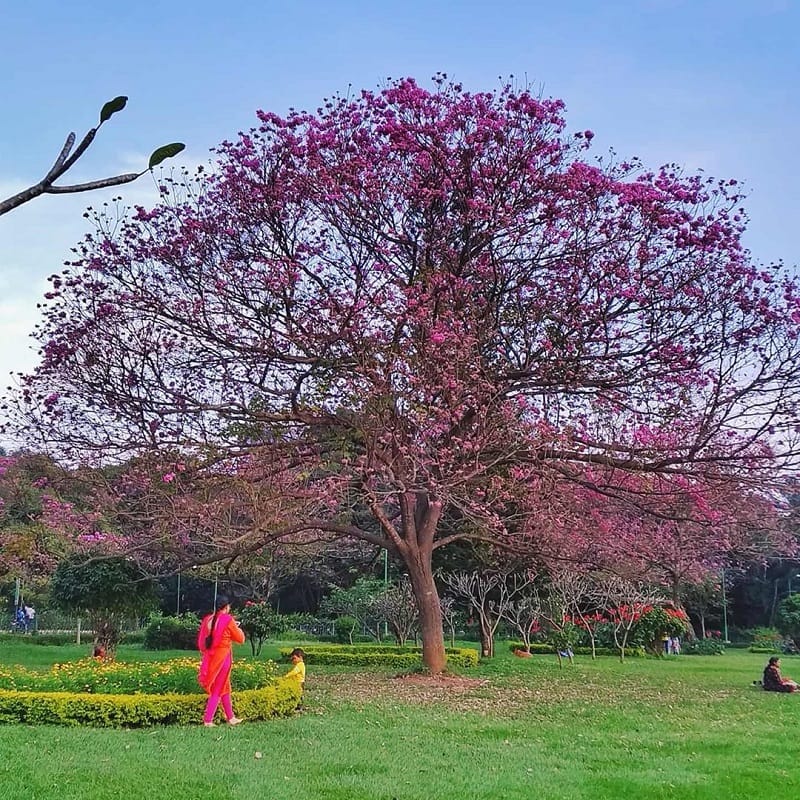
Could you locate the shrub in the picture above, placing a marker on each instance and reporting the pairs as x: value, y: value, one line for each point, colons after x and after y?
x: 381, y: 655
x: 789, y: 616
x: 766, y: 640
x: 564, y: 637
x: 261, y: 622
x: 704, y: 647
x: 279, y: 698
x: 298, y: 635
x: 344, y: 628
x: 658, y: 622
x: 171, y: 633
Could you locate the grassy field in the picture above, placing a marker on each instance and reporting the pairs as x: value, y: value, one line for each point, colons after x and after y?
x: 688, y: 727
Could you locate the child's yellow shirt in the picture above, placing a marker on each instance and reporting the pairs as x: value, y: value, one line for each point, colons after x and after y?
x: 298, y: 671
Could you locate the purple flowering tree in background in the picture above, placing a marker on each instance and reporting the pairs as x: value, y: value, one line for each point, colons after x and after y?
x: 410, y: 315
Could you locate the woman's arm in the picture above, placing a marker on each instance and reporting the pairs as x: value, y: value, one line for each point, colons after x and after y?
x: 237, y: 634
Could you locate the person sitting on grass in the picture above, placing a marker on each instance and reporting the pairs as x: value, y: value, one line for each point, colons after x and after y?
x: 298, y: 671
x: 773, y: 681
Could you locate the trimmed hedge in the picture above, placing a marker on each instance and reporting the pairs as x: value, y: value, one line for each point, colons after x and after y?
x: 279, y: 699
x: 61, y: 639
x: 380, y: 655
x: 542, y: 649
x: 47, y: 639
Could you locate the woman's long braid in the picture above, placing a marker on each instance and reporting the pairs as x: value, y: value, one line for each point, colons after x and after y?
x: 210, y: 636
x: 220, y: 602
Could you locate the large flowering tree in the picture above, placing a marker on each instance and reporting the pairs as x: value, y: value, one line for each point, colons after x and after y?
x: 44, y: 515
x: 423, y: 304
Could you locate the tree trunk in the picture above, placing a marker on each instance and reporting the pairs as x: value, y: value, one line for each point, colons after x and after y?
x: 420, y: 571
x: 774, y: 604
x: 106, y: 636
x: 487, y: 639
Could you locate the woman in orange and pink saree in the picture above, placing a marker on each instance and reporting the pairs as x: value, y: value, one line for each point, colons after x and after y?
x: 214, y: 639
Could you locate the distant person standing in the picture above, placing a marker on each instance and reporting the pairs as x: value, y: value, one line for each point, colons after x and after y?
x: 217, y: 633
x: 675, y: 645
x: 20, y: 620
x: 30, y: 617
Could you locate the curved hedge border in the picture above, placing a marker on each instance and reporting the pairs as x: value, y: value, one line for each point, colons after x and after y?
x: 279, y: 699
x: 539, y: 649
x: 380, y: 655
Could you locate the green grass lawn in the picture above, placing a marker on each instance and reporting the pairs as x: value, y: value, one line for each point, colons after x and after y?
x: 687, y: 727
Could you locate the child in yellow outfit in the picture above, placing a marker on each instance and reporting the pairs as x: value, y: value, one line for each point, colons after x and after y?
x: 298, y: 671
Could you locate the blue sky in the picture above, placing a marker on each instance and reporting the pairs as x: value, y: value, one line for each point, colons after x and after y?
x: 705, y: 83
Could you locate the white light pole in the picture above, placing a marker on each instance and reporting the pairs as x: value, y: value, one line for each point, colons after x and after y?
x: 724, y: 609
x: 385, y: 586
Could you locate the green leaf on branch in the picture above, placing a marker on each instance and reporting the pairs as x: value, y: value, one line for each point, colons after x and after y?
x: 165, y: 152
x: 111, y: 108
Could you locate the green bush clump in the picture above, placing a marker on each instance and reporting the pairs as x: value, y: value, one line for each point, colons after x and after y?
x: 542, y: 649
x: 91, y: 676
x: 260, y: 622
x: 789, y: 616
x: 279, y: 699
x: 766, y: 640
x: 704, y: 647
x: 171, y: 633
x: 658, y: 622
x: 381, y: 655
x: 344, y: 628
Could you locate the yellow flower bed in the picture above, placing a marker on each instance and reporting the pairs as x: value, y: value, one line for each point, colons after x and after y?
x: 89, y: 675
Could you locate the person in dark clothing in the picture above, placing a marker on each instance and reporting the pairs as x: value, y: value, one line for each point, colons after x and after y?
x: 773, y: 681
